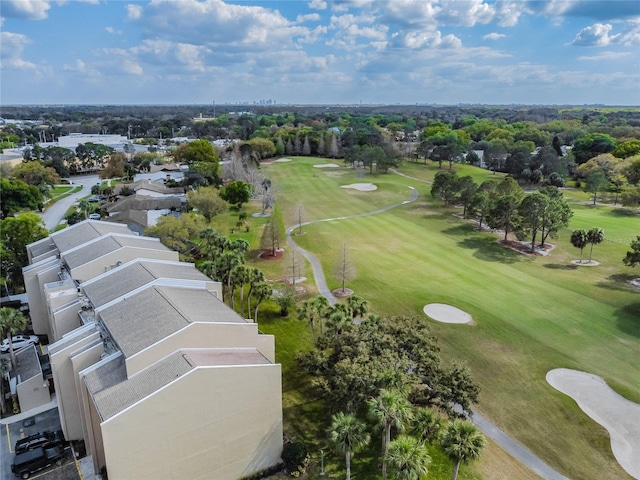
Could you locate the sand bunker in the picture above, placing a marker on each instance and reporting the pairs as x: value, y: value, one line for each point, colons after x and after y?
x: 446, y: 313
x: 363, y: 187
x: 282, y: 160
x: 611, y: 410
x: 326, y: 165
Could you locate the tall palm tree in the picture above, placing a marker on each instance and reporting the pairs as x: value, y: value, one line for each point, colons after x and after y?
x: 426, y: 424
x: 347, y: 435
x: 595, y: 236
x: 254, y: 276
x: 321, y: 306
x: 462, y: 442
x: 11, y: 321
x: 238, y: 277
x: 579, y: 240
x: 261, y: 292
x: 390, y: 409
x: 408, y: 458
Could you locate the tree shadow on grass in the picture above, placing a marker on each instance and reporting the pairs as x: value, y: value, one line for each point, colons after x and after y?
x: 459, y: 230
x: 624, y: 212
x: 560, y: 266
x: 489, y: 250
x: 628, y: 319
x: 619, y: 281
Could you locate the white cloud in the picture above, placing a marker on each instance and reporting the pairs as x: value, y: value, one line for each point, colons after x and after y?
x: 132, y: 68
x: 11, y: 47
x: 317, y: 4
x: 606, y: 56
x: 493, y: 36
x: 309, y: 17
x: 26, y: 9
x: 218, y: 24
x: 595, y: 35
x: 134, y: 12
x: 419, y: 40
x: 113, y: 31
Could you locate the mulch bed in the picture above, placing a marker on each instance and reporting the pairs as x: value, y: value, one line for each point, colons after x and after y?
x: 525, y: 247
x: 338, y: 292
x: 268, y: 255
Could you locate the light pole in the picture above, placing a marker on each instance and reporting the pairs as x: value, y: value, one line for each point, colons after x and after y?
x: 322, y: 463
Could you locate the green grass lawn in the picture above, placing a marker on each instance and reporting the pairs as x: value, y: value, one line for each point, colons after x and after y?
x: 531, y: 314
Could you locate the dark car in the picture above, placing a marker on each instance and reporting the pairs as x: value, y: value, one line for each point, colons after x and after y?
x: 40, y: 439
x: 31, y: 461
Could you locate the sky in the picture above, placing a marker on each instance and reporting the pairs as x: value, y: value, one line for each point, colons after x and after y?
x: 448, y: 52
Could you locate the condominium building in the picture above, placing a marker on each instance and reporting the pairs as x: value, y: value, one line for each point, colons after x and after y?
x: 152, y: 370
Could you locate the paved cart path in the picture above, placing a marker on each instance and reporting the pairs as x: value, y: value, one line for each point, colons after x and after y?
x: 511, y: 446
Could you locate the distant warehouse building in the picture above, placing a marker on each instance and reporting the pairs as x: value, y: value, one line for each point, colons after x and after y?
x: 72, y: 140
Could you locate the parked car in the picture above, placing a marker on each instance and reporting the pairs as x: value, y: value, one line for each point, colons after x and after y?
x: 19, y: 341
x: 94, y: 216
x: 29, y: 462
x: 40, y: 439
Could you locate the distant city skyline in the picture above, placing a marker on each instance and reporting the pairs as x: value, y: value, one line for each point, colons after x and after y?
x: 555, y: 52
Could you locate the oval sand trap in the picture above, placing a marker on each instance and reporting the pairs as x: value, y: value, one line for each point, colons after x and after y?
x: 283, y: 160
x: 363, y: 187
x: 446, y: 313
x: 326, y: 165
x: 621, y: 417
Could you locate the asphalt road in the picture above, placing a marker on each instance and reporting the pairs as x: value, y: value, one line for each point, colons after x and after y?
x: 511, y: 446
x: 54, y: 214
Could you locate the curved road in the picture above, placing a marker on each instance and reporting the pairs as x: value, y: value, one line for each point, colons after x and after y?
x: 508, y: 444
x: 54, y: 214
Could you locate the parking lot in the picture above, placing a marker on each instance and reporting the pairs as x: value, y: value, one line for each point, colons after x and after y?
x: 23, y: 426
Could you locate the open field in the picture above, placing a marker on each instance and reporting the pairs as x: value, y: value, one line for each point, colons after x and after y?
x: 532, y: 314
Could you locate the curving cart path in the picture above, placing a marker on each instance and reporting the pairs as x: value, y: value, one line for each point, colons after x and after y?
x: 511, y: 446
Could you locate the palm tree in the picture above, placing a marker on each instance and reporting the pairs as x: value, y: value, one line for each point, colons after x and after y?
x: 261, y: 291
x: 254, y: 276
x: 359, y: 306
x: 390, y: 409
x: 347, y: 435
x: 462, y: 442
x: 321, y: 307
x: 11, y: 321
x: 595, y: 236
x: 238, y: 277
x: 426, y: 424
x: 408, y: 458
x: 579, y: 240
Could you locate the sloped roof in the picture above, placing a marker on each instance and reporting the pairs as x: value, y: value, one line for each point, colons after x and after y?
x: 156, y: 312
x: 84, y: 232
x: 89, y: 251
x: 143, y: 202
x: 112, y: 396
x: 131, y: 276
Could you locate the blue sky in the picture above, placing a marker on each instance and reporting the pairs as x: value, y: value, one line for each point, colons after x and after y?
x: 320, y: 51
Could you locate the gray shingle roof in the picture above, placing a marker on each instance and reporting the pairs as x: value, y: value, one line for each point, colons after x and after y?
x: 83, y: 232
x: 154, y: 313
x: 112, y: 398
x: 91, y: 250
x: 129, y: 277
x: 28, y: 363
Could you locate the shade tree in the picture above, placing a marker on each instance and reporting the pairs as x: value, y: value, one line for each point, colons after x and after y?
x: 632, y: 257
x: 579, y: 240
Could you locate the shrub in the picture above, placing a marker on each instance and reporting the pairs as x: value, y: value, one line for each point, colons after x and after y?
x: 293, y: 455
